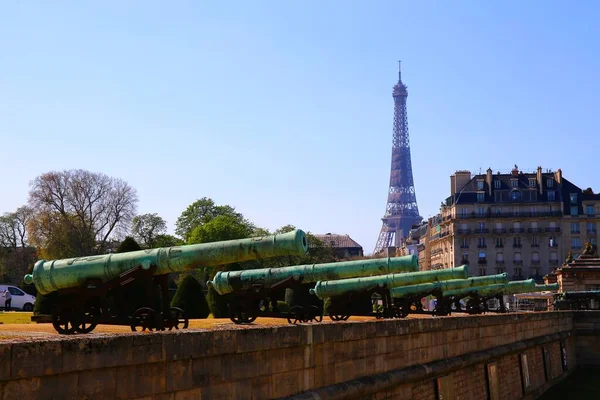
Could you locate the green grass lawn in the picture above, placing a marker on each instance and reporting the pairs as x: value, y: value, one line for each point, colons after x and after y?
x: 15, y: 317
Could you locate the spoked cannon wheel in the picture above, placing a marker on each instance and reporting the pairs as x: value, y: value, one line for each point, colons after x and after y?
x: 62, y: 322
x: 316, y: 314
x: 144, y: 318
x: 240, y: 315
x: 86, y: 322
x: 297, y: 314
x: 177, y: 319
x: 339, y: 317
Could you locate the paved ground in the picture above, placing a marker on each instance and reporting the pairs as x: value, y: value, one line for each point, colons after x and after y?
x: 14, y: 332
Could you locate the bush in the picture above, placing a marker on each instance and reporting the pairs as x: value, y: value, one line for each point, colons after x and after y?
x: 217, y: 304
x: 128, y: 244
x: 190, y: 298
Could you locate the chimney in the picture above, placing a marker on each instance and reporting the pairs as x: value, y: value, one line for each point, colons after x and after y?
x: 539, y: 179
x: 488, y: 179
x: 558, y: 176
x: 515, y: 171
x: 452, y: 185
x: 461, y: 179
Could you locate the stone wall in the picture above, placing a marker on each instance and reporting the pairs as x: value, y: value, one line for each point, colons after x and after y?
x: 377, y: 359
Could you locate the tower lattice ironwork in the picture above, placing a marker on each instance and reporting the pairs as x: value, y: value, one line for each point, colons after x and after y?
x: 401, y: 211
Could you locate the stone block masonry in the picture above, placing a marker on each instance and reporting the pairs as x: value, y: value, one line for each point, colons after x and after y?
x: 379, y: 359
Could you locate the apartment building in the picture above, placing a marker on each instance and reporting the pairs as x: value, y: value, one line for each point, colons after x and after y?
x: 520, y: 223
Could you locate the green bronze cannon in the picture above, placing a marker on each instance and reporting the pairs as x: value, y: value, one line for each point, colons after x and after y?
x: 577, y: 300
x: 83, y: 287
x: 407, y: 299
x: 356, y: 296
x: 251, y: 291
x: 478, y: 296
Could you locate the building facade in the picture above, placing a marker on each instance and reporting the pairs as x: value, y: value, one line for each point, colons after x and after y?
x: 343, y: 245
x: 520, y: 223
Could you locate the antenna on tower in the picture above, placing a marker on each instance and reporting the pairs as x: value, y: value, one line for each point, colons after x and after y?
x: 399, y: 71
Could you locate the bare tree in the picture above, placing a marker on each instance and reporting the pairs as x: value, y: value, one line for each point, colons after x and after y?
x: 146, y: 227
x: 94, y: 204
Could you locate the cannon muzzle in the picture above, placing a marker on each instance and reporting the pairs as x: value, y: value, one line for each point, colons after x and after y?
x: 49, y: 276
x: 234, y: 281
x: 324, y: 289
x: 427, y: 288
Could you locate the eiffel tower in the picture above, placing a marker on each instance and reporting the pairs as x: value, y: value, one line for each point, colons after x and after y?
x: 401, y: 211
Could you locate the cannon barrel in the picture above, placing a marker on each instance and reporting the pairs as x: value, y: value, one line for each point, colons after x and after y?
x: 427, y: 288
x: 324, y: 289
x: 581, y: 294
x: 49, y: 276
x: 512, y: 287
x: 231, y: 281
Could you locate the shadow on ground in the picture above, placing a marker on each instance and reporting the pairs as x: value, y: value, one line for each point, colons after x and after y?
x: 581, y: 385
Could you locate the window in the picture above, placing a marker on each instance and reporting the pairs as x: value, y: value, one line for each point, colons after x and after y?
x: 593, y: 241
x: 515, y: 195
x: 563, y: 354
x: 463, y: 212
x: 482, y: 243
x: 574, y: 227
x: 518, y: 271
x: 574, y: 210
x: 445, y: 387
x: 481, y: 226
x: 493, y: 383
x: 514, y: 183
x: 518, y: 257
x: 551, y: 196
x: 573, y: 197
x: 481, y: 210
x: 550, y: 183
x: 517, y: 241
x: 497, y: 184
x: 535, y: 242
x: 532, y: 182
x: 499, y: 257
x: 482, y: 257
x: 576, y: 243
x: 479, y: 185
x: 482, y: 271
x: 465, y: 258
x: 535, y: 256
x: 589, y: 210
x: 525, y: 373
x: 499, y: 243
x: 552, y: 241
x: 15, y: 292
x: 465, y: 243
x: 553, y: 255
x: 480, y: 197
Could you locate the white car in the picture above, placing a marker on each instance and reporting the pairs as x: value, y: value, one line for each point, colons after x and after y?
x: 20, y: 299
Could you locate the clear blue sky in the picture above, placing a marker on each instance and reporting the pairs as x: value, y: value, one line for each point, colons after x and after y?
x: 284, y: 109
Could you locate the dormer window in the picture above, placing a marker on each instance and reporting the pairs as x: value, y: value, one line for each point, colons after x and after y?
x: 480, y: 197
x: 479, y: 185
x: 497, y: 184
x: 550, y: 183
x: 573, y: 197
x: 514, y: 183
x: 532, y: 182
x: 515, y: 195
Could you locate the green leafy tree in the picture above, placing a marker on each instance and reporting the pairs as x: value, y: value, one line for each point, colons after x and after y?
x: 146, y: 227
x: 220, y: 228
x: 190, y: 298
x: 200, y: 212
x: 167, y: 241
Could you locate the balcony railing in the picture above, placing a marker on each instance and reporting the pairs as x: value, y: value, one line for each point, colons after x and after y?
x: 591, y: 232
x: 575, y: 232
x: 553, y: 262
x: 464, y: 231
x: 499, y: 230
x: 553, y: 245
x: 464, y: 246
x: 436, y: 251
x: 464, y: 261
x: 517, y: 262
x: 499, y: 246
x: 576, y: 246
x: 548, y: 214
x: 499, y: 261
x: 553, y: 229
x: 482, y: 246
x: 482, y: 230
x: 535, y: 261
x: 535, y: 230
x: 517, y: 230
x: 482, y: 261
x: 517, y: 245
x: 535, y: 245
